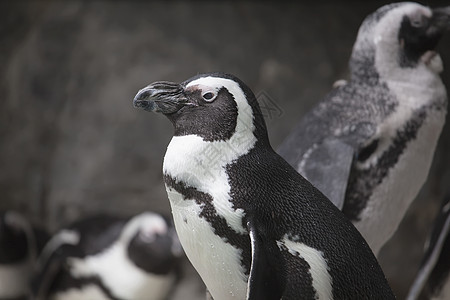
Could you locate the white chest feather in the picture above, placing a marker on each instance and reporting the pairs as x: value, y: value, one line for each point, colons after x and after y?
x: 218, y: 263
x: 202, y: 166
x: 121, y: 276
x: 390, y: 200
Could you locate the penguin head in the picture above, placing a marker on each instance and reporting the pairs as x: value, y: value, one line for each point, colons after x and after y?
x: 16, y: 238
x: 213, y: 106
x: 152, y: 243
x: 400, y: 36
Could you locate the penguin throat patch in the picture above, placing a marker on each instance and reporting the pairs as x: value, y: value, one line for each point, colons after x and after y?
x: 414, y: 47
x: 217, y: 222
x: 363, y: 182
x: 139, y: 253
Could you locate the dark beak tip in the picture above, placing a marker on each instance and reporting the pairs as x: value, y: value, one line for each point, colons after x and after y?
x: 138, y: 103
x: 147, y: 105
x: 141, y: 100
x: 143, y: 104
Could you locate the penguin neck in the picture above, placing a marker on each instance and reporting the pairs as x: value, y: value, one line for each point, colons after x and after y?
x: 192, y: 156
x: 362, y: 68
x: 415, y: 87
x: 388, y: 63
x: 411, y: 88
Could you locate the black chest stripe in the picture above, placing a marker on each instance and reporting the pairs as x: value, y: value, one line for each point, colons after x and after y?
x: 218, y: 223
x: 363, y: 182
x: 300, y: 267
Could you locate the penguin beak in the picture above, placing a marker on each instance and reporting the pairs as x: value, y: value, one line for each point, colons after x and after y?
x: 161, y: 97
x: 440, y: 20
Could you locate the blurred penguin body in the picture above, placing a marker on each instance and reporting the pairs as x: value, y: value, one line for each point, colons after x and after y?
x: 20, y: 244
x: 368, y: 145
x: 107, y: 257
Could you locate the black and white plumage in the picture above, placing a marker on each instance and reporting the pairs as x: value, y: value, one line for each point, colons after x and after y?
x: 249, y: 223
x: 20, y: 243
x: 108, y: 257
x: 368, y: 145
x: 433, y: 278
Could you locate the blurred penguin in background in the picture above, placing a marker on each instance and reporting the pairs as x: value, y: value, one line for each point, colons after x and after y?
x: 108, y: 257
x: 20, y: 244
x: 369, y: 144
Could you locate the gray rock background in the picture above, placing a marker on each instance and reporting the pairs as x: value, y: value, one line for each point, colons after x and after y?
x: 71, y: 143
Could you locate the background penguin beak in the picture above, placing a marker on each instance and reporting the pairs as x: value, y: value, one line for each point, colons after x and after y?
x: 441, y: 19
x: 162, y: 97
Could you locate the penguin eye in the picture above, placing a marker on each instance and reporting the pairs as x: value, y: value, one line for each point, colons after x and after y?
x: 418, y: 21
x: 209, y: 96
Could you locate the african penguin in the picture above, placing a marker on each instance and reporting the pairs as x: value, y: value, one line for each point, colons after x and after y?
x: 251, y: 225
x: 368, y: 145
x: 109, y: 257
x: 433, y: 278
x: 20, y: 243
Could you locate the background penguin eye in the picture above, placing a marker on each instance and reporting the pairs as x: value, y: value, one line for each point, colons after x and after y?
x: 209, y: 96
x: 416, y: 23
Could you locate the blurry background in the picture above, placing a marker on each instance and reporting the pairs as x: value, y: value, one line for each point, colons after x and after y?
x: 72, y: 144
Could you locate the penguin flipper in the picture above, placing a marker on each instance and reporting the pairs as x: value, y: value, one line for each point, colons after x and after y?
x: 51, y: 262
x: 435, y: 255
x: 48, y: 271
x: 328, y: 167
x: 42, y: 279
x: 262, y: 283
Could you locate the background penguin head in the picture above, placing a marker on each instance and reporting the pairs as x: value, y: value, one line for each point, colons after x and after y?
x: 400, y: 35
x: 213, y: 106
x: 152, y: 243
x: 16, y: 238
